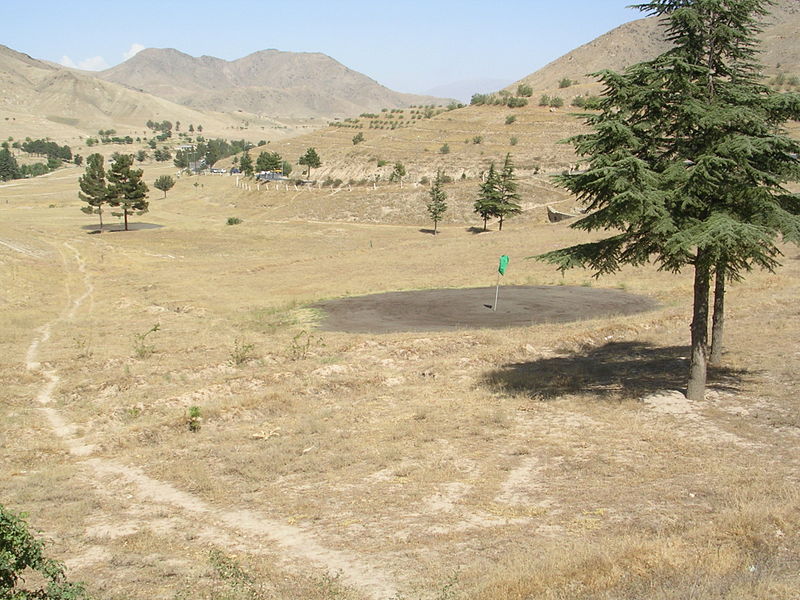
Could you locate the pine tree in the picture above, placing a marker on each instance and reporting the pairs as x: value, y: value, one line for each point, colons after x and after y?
x: 310, y: 159
x: 437, y: 204
x: 93, y: 187
x: 688, y: 162
x: 488, y: 196
x: 126, y: 188
x: 164, y: 183
x: 246, y: 164
x: 507, y: 195
x: 8, y: 166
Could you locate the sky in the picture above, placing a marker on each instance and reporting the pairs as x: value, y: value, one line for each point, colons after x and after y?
x: 409, y: 46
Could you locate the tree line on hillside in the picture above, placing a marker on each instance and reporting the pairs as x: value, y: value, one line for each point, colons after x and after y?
x: 209, y: 152
x: 11, y: 169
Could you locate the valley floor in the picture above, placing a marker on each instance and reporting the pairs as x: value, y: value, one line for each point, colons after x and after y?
x: 554, y: 460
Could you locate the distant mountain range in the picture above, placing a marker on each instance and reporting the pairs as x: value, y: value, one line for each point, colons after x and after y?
x: 269, y: 82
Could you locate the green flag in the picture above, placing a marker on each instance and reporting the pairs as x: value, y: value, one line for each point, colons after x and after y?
x: 503, y: 264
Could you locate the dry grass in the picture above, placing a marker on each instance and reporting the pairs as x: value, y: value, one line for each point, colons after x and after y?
x: 482, y: 464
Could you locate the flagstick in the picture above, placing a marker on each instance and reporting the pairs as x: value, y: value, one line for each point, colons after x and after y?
x: 496, y: 292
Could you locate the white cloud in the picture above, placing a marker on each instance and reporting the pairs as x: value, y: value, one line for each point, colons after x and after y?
x: 132, y: 51
x: 95, y: 63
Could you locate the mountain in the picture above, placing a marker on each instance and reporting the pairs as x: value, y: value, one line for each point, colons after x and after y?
x: 269, y: 82
x: 643, y: 39
x: 37, y: 94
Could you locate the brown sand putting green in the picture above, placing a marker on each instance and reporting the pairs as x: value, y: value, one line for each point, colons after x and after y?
x: 448, y: 309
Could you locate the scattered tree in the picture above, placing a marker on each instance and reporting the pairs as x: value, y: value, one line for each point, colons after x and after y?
x: 688, y: 162
x: 93, y: 187
x: 437, y: 197
x: 507, y: 193
x: 164, y: 183
x: 524, y: 90
x: 246, y: 164
x: 126, y: 188
x: 358, y: 138
x: 488, y: 196
x: 398, y: 172
x: 311, y: 160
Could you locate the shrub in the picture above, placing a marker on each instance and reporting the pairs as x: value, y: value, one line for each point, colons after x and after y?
x: 358, y: 138
x: 515, y: 102
x: 510, y: 119
x: 544, y: 100
x: 514, y: 141
x: 556, y: 102
x: 478, y: 139
x: 445, y: 149
x: 565, y: 82
x: 233, y: 220
x: 524, y: 90
x: 21, y: 554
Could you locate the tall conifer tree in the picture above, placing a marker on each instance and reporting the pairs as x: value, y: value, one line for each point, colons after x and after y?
x: 93, y: 187
x: 126, y: 188
x: 688, y: 161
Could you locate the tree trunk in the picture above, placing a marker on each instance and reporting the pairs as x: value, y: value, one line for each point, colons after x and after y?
x: 125, y: 210
x: 718, y: 318
x: 434, y: 227
x: 100, y: 213
x: 484, y: 222
x: 697, y: 367
x: 501, y: 224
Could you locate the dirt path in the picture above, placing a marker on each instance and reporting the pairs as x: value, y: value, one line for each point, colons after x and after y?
x: 294, y: 542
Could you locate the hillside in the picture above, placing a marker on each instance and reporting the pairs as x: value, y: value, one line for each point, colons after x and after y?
x: 269, y: 82
x: 41, y: 99
x: 643, y: 39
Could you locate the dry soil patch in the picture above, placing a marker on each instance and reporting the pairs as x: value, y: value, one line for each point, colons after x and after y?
x: 448, y: 309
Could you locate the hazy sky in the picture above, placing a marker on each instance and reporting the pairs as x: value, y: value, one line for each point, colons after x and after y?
x: 409, y: 46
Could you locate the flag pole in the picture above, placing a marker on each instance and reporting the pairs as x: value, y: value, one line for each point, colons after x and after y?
x: 501, y: 270
x: 496, y: 292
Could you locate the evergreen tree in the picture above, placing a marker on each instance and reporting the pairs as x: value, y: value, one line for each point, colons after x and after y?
x: 488, y: 196
x: 437, y: 197
x: 311, y: 160
x: 398, y: 172
x: 688, y: 162
x: 164, y: 183
x: 246, y: 164
x: 93, y: 187
x: 269, y: 161
x: 126, y: 188
x: 8, y: 166
x: 507, y: 195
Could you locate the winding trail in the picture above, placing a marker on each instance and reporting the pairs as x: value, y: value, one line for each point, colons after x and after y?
x: 255, y: 530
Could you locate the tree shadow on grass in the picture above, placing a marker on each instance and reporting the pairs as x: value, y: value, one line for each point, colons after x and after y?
x: 476, y: 230
x: 622, y: 369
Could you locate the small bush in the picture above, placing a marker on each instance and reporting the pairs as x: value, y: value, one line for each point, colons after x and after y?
x: 514, y: 141
x: 565, y: 82
x: 194, y: 419
x: 445, y: 149
x: 524, y: 90
x: 233, y: 220
x: 478, y: 139
x: 510, y: 119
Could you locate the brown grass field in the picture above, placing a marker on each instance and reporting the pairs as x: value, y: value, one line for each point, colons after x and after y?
x: 552, y: 461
